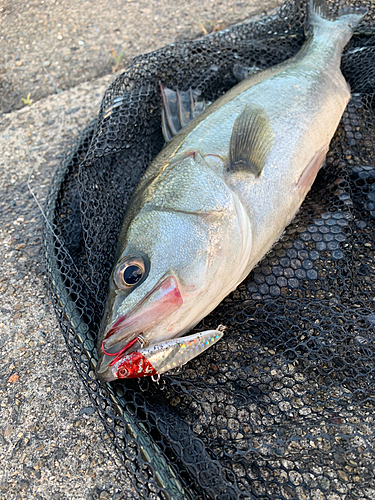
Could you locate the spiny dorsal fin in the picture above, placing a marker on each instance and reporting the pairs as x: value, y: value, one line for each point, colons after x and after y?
x: 243, y: 72
x: 179, y: 108
x: 251, y: 141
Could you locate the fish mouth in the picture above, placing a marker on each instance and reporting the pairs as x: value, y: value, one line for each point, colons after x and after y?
x: 129, y: 332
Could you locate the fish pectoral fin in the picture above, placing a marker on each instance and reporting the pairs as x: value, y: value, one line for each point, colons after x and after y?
x: 179, y: 108
x: 251, y: 141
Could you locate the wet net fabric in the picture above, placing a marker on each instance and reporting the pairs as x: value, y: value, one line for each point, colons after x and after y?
x: 283, y: 406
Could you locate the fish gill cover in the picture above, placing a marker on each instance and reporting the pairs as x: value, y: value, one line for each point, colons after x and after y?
x: 283, y: 406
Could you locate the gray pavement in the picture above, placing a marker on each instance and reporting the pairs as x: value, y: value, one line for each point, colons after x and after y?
x: 52, y: 443
x: 49, y: 45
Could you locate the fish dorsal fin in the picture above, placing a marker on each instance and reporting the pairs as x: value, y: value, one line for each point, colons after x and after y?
x: 243, y: 72
x: 251, y: 141
x: 179, y: 108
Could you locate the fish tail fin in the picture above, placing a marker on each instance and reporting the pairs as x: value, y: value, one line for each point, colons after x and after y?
x: 320, y: 18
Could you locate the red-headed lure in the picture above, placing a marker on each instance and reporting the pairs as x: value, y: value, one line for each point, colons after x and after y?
x: 159, y: 358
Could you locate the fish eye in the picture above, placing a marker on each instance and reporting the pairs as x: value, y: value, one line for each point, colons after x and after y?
x: 129, y: 272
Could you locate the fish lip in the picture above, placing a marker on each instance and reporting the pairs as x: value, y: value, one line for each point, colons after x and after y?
x: 129, y: 327
x: 117, y: 326
x: 117, y: 329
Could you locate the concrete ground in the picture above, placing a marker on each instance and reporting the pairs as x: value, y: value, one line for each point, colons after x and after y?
x: 56, y: 62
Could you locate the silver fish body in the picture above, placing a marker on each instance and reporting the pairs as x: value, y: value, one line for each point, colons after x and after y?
x: 221, y: 192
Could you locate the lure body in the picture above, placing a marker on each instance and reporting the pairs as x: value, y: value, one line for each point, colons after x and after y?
x: 163, y: 356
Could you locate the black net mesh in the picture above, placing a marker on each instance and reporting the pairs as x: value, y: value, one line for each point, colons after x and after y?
x: 283, y: 406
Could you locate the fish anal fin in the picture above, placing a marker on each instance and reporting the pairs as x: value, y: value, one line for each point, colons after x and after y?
x: 251, y: 141
x: 310, y: 172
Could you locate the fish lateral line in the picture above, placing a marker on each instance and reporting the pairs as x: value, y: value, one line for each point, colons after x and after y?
x: 160, y: 208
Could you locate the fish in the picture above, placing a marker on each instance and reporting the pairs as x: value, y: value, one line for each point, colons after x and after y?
x: 231, y: 177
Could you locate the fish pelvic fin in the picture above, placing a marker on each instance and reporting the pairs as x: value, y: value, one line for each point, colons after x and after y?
x: 251, y: 141
x: 319, y: 17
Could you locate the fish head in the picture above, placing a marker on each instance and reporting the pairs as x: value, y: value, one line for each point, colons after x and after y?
x: 172, y: 268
